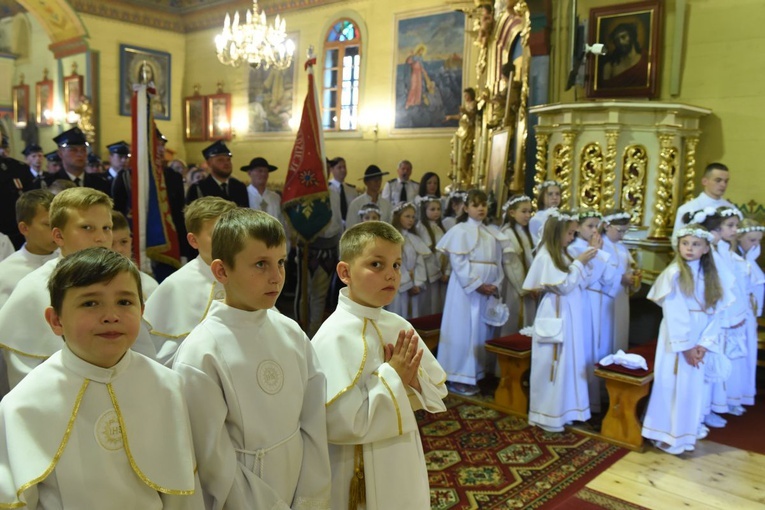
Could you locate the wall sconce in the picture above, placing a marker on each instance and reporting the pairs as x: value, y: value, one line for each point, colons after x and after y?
x: 373, y: 119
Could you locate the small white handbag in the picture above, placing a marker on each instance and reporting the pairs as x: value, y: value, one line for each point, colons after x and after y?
x: 549, y: 330
x: 496, y: 313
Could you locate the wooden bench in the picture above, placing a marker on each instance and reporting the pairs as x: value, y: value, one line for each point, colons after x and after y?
x: 626, y: 388
x: 429, y: 329
x: 514, y: 357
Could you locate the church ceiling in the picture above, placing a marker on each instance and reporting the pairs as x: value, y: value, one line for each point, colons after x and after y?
x: 174, y: 15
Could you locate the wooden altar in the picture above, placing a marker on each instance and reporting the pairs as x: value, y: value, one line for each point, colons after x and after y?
x: 639, y: 156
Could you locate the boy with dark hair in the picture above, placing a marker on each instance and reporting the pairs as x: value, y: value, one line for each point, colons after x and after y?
x: 182, y: 300
x: 253, y: 384
x: 374, y: 387
x: 34, y: 224
x: 74, y: 433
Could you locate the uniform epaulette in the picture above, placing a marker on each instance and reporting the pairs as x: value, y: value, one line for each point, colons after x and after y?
x: 394, y: 179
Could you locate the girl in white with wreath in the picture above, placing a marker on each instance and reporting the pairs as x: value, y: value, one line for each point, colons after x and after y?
x: 517, y: 256
x: 691, y: 296
x: 548, y: 199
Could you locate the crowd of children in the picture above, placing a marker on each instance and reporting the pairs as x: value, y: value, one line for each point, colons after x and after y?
x: 248, y: 412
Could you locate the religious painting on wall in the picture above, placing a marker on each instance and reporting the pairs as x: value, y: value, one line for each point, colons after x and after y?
x: 73, y: 92
x: 44, y: 94
x: 428, y: 70
x: 631, y: 34
x: 144, y: 66
x: 195, y: 118
x: 21, y: 104
x: 271, y: 97
x: 219, y: 116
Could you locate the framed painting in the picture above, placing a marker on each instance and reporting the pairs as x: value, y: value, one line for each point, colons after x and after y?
x: 195, y: 118
x: 73, y: 92
x: 219, y: 117
x: 428, y: 70
x: 21, y: 105
x: 144, y: 66
x: 271, y: 98
x: 631, y: 34
x: 498, y: 162
x: 44, y: 95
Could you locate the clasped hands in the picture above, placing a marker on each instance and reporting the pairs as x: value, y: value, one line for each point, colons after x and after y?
x: 405, y: 358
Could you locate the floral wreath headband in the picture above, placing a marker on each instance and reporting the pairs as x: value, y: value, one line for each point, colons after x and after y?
x: 368, y: 208
x: 589, y: 214
x: 616, y: 216
x: 403, y: 205
x: 555, y: 213
x: 458, y: 194
x: 702, y: 215
x: 513, y: 201
x: 549, y: 183
x: 731, y: 211
x: 424, y: 201
x: 753, y: 228
x: 695, y: 232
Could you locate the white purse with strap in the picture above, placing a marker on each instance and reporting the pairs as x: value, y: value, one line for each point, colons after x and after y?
x: 549, y: 330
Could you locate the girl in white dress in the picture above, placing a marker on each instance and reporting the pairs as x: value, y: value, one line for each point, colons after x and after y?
x: 369, y: 212
x: 548, y: 199
x: 414, y: 276
x: 558, y: 379
x: 615, y: 314
x: 601, y: 274
x: 475, y: 255
x: 431, y: 230
x: 748, y: 244
x: 454, y: 208
x: 516, y: 260
x: 690, y: 293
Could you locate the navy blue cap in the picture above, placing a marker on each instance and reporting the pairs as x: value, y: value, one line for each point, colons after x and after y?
x: 258, y: 163
x: 215, y: 149
x: 160, y: 135
x: 74, y: 136
x: 121, y: 148
x: 93, y: 159
x: 53, y: 157
x: 31, y: 149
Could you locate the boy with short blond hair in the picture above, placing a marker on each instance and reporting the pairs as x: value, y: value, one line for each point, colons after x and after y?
x: 74, y: 433
x: 80, y: 218
x: 122, y: 243
x: 182, y: 300
x: 253, y: 385
x: 373, y: 386
x: 34, y: 224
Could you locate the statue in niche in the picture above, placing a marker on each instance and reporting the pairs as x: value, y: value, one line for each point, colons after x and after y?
x: 507, y: 99
x: 85, y: 122
x: 463, y: 141
x: 483, y: 26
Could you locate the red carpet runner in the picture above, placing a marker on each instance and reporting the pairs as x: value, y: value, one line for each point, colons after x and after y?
x: 481, y: 458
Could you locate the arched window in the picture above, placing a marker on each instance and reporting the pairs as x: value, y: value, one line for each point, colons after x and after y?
x: 342, y: 69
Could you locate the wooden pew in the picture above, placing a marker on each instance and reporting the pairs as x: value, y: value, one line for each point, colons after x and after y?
x: 428, y: 328
x: 514, y: 357
x: 626, y: 388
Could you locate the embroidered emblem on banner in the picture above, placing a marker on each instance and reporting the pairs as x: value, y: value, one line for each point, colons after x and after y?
x: 108, y: 432
x: 270, y: 377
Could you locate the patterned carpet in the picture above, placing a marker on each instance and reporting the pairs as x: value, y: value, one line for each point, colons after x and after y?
x: 479, y: 458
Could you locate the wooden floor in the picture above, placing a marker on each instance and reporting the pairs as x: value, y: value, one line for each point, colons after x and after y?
x: 714, y: 476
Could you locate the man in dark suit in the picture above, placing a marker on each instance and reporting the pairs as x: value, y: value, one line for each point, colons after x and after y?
x: 14, y: 180
x: 53, y: 164
x: 73, y: 150
x: 176, y: 201
x: 219, y: 183
x: 119, y: 155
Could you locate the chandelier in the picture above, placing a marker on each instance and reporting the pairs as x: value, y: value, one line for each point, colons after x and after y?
x: 254, y: 42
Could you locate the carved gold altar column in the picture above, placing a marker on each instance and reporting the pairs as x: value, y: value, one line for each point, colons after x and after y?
x: 690, y: 167
x: 609, y: 171
x: 540, y: 167
x: 665, y: 204
x: 563, y: 166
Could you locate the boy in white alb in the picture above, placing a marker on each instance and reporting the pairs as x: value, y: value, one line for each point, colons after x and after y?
x: 253, y: 383
x: 34, y: 224
x: 183, y: 299
x: 80, y: 218
x: 75, y: 433
x: 6, y: 247
x: 373, y: 387
x: 122, y: 243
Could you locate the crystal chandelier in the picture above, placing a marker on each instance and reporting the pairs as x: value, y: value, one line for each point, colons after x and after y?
x: 254, y: 41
